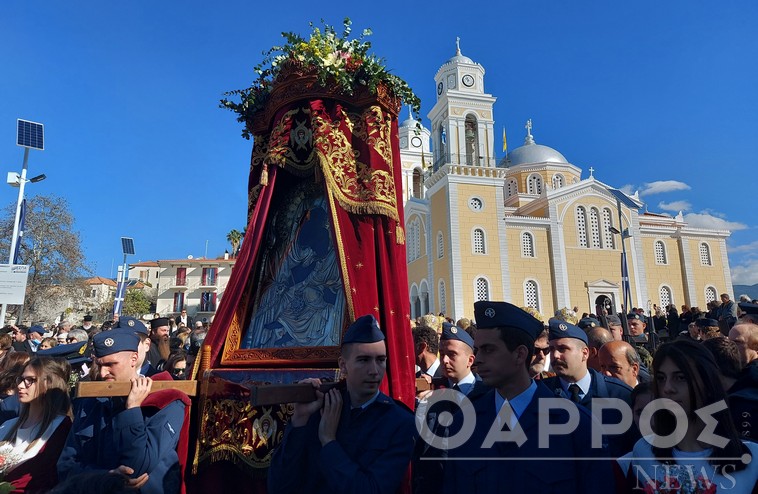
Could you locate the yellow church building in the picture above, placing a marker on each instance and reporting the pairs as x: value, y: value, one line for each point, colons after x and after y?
x: 533, y: 229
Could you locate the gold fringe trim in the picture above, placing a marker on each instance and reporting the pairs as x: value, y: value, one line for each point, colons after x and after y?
x: 264, y: 175
x: 235, y: 457
x: 399, y: 235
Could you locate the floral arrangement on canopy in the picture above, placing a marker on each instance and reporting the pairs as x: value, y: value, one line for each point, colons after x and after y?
x: 567, y: 315
x: 534, y: 313
x: 342, y: 64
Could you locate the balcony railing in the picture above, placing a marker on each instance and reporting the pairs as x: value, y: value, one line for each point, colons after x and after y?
x: 464, y: 159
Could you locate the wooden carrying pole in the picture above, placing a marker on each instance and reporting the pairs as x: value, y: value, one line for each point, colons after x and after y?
x: 270, y: 394
x: 103, y: 389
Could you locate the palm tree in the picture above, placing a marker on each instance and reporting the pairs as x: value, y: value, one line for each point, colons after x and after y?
x: 234, y: 237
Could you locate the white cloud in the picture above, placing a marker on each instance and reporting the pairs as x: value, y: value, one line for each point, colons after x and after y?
x: 628, y: 189
x: 662, y: 186
x: 752, y: 247
x: 745, y: 273
x: 675, y: 206
x: 707, y: 220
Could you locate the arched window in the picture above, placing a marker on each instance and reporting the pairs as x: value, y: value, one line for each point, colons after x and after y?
x: 511, y: 188
x: 440, y: 245
x: 417, y: 176
x: 415, y: 302
x: 480, y: 246
x: 531, y: 295
x: 413, y: 244
x: 660, y: 252
x: 527, y: 245
x: 558, y: 181
x: 482, y: 290
x: 710, y: 294
x: 443, y: 300
x: 665, y: 295
x: 607, y: 233
x: 581, y: 225
x: 534, y: 184
x: 472, y: 140
x: 595, y: 228
x: 705, y: 254
x: 423, y: 295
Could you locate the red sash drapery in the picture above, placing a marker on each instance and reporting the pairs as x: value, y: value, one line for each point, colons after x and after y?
x: 356, y: 156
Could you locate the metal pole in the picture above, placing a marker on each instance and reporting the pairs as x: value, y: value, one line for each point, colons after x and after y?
x: 14, y: 239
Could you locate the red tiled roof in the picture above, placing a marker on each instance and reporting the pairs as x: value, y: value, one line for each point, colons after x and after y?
x: 99, y: 280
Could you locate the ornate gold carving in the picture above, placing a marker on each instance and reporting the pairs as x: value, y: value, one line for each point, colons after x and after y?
x: 299, y: 82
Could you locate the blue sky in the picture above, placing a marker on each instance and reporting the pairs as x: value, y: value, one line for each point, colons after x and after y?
x: 659, y: 97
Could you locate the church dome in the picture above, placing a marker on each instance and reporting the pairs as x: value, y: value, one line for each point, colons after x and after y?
x: 410, y: 122
x: 532, y: 152
x: 459, y: 57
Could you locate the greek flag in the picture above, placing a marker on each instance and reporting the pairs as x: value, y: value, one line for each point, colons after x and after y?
x: 118, y: 302
x: 625, y: 282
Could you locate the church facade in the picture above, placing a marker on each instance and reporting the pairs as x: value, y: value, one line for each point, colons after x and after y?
x: 533, y: 229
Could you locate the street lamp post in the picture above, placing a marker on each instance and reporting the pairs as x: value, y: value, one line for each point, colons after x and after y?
x: 29, y: 135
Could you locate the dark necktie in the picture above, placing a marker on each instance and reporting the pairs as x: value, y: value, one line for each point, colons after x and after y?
x: 575, y: 390
x: 456, y: 387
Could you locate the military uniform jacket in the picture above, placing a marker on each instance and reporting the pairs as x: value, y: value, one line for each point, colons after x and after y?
x: 532, y: 469
x: 105, y: 435
x: 604, y: 387
x: 370, y: 456
x: 427, y: 470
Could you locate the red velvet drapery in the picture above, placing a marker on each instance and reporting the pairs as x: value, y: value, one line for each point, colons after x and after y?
x: 357, y: 157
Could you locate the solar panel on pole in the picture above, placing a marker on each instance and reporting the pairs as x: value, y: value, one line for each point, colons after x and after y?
x: 127, y: 245
x: 30, y: 134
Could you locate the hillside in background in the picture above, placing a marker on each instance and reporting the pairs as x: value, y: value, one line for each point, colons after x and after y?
x: 749, y: 290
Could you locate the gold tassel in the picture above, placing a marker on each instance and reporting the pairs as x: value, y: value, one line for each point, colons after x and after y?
x: 264, y: 175
x: 399, y: 235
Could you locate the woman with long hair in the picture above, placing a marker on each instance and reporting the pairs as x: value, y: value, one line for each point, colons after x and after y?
x: 11, y: 368
x: 701, y: 453
x: 33, y: 442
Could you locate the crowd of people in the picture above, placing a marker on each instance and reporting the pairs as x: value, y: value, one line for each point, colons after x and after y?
x: 50, y: 442
x: 595, y: 404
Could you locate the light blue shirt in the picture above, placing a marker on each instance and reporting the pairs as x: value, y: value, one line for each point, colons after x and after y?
x: 466, y: 384
x: 519, y: 402
x: 584, y: 384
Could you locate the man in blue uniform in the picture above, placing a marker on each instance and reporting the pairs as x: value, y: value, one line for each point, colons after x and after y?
x: 145, y: 343
x: 569, y: 353
x: 456, y: 357
x: 356, y: 441
x: 116, y: 434
x: 490, y: 462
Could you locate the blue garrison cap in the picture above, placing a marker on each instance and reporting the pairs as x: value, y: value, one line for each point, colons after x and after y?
x: 365, y: 329
x: 705, y: 322
x: 131, y: 323
x: 634, y: 315
x: 562, y: 329
x: 114, y: 341
x: 504, y: 315
x: 588, y: 323
x: 74, y: 353
x: 36, y: 329
x: 451, y: 332
x: 613, y: 319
